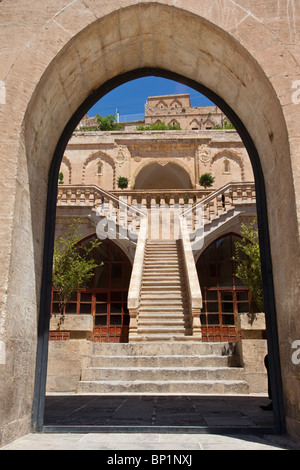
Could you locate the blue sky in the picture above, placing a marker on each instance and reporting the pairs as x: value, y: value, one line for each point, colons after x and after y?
x: 131, y: 97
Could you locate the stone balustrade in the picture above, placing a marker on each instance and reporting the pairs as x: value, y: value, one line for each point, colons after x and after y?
x: 219, y: 202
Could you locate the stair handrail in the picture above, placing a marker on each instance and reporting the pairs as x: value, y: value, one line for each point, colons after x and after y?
x: 134, y: 291
x: 102, y: 192
x: 193, y: 285
x: 217, y: 193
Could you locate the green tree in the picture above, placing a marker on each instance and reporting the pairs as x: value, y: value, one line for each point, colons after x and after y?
x: 247, y: 256
x: 73, y: 265
x: 206, y: 180
x: 108, y: 123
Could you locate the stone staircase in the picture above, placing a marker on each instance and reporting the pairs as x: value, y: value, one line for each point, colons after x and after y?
x: 163, y: 313
x: 163, y: 368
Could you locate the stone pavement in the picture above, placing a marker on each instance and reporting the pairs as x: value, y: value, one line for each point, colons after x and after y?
x: 152, y: 412
x: 150, y: 423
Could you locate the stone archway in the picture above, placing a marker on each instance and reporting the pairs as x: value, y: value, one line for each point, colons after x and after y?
x: 77, y: 52
x: 162, y: 175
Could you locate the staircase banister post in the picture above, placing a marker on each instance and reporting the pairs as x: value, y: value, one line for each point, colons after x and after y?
x: 134, y: 292
x: 194, y: 291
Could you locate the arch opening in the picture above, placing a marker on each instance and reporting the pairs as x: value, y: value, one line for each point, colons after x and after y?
x: 163, y: 176
x: 224, y: 295
x: 262, y: 222
x: 104, y: 297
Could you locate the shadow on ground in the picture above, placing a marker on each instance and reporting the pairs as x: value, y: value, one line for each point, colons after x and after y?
x: 237, y: 412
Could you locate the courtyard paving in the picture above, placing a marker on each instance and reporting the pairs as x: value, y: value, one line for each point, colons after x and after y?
x: 155, y: 423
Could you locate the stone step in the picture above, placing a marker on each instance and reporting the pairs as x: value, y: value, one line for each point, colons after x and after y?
x: 165, y: 331
x: 161, y: 274
x: 161, y: 322
x: 169, y: 272
x: 163, y: 309
x: 161, y: 242
x: 164, y: 268
x: 203, y: 387
x: 161, y: 373
x: 171, y: 279
x: 164, y: 295
x: 161, y: 251
x: 156, y: 305
x: 170, y: 264
x: 144, y: 314
x: 157, y: 338
x: 143, y: 349
x: 159, y: 287
x: 210, y: 360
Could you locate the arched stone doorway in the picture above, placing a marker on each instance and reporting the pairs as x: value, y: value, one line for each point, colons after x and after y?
x: 157, y: 176
x: 261, y: 212
x: 224, y: 295
x: 68, y: 65
x: 105, y: 296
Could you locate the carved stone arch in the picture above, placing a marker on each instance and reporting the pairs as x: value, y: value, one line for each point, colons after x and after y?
x: 195, y: 122
x: 162, y: 162
x: 66, y: 161
x: 176, y: 103
x: 104, y: 158
x: 173, y: 121
x: 161, y: 104
x: 230, y: 156
x: 209, y: 122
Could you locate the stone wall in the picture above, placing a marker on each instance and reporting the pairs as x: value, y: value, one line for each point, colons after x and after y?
x: 102, y: 157
x: 54, y: 55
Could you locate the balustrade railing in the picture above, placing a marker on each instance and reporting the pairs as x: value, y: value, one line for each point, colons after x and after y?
x: 162, y: 197
x: 124, y: 207
x: 219, y: 202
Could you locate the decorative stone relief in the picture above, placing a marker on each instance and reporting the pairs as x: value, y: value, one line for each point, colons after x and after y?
x: 162, y: 161
x: 203, y: 154
x: 122, y: 154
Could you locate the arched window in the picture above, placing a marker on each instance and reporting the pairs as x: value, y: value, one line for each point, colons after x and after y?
x: 226, y: 166
x: 99, y: 167
x: 105, y: 297
x: 224, y: 295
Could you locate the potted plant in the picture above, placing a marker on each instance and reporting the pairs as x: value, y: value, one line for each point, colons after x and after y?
x: 122, y: 182
x: 206, y: 180
x: 61, y: 178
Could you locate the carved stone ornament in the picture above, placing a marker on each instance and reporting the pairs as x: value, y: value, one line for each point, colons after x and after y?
x: 122, y: 154
x: 162, y: 161
x: 203, y: 154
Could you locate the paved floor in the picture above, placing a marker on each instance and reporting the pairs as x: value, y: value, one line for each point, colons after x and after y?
x: 149, y: 412
x: 148, y: 423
